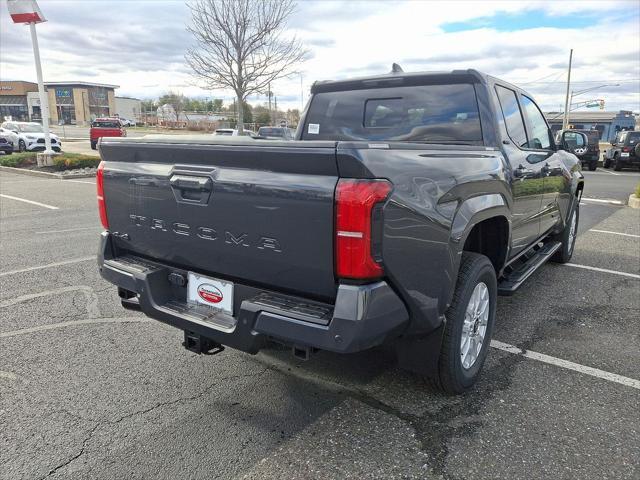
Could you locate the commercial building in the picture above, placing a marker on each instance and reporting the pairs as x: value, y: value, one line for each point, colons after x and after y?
x: 78, y: 103
x: 129, y: 108
x: 607, y: 123
x: 17, y: 100
x: 74, y: 103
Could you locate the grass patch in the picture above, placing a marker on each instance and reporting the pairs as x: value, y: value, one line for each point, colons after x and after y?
x: 64, y: 161
x: 638, y: 191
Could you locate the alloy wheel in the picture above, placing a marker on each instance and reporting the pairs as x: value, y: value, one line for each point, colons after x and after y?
x: 474, y: 328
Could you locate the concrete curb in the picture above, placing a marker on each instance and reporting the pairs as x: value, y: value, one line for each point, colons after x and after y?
x: 634, y: 202
x: 52, y: 176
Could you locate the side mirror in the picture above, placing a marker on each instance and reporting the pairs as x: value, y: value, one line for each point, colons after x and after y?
x: 574, y: 142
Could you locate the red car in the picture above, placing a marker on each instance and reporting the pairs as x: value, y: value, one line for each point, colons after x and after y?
x: 105, y: 127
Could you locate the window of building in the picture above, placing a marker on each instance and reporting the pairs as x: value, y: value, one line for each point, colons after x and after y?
x: 512, y: 116
x: 539, y: 134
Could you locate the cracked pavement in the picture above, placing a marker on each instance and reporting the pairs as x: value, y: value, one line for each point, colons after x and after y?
x: 89, y: 390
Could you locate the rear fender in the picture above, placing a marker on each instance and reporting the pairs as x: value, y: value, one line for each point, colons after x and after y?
x: 471, y: 212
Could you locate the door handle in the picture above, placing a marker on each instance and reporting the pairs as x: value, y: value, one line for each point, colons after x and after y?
x: 191, y: 189
x: 184, y: 182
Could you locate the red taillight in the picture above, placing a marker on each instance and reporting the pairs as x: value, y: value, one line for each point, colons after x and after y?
x: 100, y: 187
x: 626, y: 149
x: 355, y: 202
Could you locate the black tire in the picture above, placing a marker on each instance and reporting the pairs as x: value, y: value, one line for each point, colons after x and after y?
x: 451, y: 376
x: 593, y: 166
x: 565, y: 252
x: 8, y: 152
x: 93, y: 145
x: 617, y: 166
x: 21, y: 145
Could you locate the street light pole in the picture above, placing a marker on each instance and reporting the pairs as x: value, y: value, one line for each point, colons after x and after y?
x: 44, y: 104
x: 565, y: 120
x: 27, y: 12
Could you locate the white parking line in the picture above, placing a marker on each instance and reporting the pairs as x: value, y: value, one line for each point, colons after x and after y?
x: 603, y: 270
x: 29, y: 201
x: 92, y: 299
x: 80, y: 181
x: 615, y: 233
x: 600, y: 200
x: 49, y: 265
x: 610, y: 173
x: 53, y: 326
x: 67, y: 230
x: 576, y: 367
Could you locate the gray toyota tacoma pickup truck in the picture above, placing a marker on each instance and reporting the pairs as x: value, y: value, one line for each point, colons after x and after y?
x: 407, y: 203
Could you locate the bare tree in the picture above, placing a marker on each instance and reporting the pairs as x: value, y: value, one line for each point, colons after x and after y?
x: 240, y: 45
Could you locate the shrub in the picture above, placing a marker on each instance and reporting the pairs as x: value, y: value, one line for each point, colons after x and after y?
x: 18, y: 160
x: 69, y: 161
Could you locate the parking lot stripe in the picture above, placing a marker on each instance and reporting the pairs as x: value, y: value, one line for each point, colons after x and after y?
x: 90, y: 295
x: 67, y: 230
x: 49, y: 265
x: 559, y: 362
x: 600, y: 200
x: 615, y: 233
x: 94, y: 321
x: 81, y: 181
x: 603, y: 270
x: 51, y: 207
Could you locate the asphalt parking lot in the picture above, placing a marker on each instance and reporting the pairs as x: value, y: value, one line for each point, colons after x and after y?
x: 89, y: 390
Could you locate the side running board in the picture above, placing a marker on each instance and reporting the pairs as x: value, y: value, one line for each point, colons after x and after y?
x: 516, y: 275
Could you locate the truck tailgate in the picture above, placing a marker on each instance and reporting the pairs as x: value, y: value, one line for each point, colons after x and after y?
x: 249, y: 211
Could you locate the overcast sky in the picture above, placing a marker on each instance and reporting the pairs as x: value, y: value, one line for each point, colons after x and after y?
x: 140, y: 45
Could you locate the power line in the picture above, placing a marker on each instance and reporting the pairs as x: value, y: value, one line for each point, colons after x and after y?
x: 537, y: 80
x: 625, y: 80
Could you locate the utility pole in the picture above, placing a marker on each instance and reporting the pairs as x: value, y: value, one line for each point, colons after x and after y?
x: 301, y: 95
x: 565, y: 120
x: 269, y: 95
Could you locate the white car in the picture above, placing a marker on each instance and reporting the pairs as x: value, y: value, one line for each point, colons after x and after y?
x: 232, y: 132
x: 127, y: 123
x: 9, y: 135
x: 30, y: 136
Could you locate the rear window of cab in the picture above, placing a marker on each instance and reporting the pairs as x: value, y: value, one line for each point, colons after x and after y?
x: 103, y: 124
x: 425, y: 114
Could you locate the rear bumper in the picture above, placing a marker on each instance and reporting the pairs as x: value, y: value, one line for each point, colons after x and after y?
x: 363, y: 316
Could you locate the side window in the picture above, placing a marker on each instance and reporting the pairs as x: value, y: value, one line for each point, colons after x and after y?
x: 539, y: 134
x: 512, y: 116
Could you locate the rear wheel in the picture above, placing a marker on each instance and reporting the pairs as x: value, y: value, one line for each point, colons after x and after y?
x: 568, y: 237
x: 593, y: 166
x: 606, y: 163
x: 93, y: 145
x: 469, y: 327
x: 617, y: 165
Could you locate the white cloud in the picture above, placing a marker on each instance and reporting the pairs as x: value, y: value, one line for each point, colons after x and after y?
x: 140, y: 45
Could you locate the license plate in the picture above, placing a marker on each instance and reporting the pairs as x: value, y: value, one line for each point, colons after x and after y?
x: 211, y: 292
x: 624, y: 154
